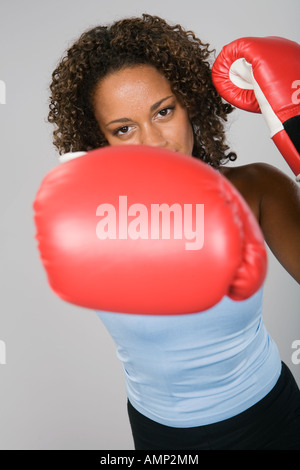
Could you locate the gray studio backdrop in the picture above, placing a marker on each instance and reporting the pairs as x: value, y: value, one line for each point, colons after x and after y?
x: 61, y: 385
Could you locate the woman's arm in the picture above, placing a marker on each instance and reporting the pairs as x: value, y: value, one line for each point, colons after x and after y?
x: 275, y: 200
x: 280, y: 217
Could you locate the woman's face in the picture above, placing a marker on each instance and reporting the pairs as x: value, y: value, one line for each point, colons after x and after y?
x: 136, y: 106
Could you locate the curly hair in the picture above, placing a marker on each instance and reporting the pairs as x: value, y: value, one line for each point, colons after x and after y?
x: 178, y: 54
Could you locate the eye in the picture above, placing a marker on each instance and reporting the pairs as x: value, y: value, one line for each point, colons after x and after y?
x: 166, y: 111
x: 121, y: 130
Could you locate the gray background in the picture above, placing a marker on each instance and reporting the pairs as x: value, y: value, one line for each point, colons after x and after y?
x: 61, y: 386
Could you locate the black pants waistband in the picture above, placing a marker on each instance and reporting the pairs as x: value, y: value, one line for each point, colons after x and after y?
x: 271, y: 424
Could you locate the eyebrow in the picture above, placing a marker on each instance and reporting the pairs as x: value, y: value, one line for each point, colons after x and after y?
x: 153, y: 108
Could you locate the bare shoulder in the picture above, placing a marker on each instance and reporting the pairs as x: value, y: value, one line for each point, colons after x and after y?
x: 257, y: 174
x: 249, y: 181
x: 260, y: 183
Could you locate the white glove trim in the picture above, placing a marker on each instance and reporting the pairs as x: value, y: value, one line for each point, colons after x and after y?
x: 241, y: 75
x: 70, y: 156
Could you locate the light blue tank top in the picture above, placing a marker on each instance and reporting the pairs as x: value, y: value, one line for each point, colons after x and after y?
x: 196, y: 369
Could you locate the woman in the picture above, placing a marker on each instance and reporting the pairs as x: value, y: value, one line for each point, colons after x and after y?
x: 204, y: 381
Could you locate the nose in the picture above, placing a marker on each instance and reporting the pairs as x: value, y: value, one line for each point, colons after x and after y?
x: 153, y: 137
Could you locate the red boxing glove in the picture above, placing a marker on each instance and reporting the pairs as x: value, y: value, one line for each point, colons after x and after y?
x: 260, y: 75
x: 138, y: 229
